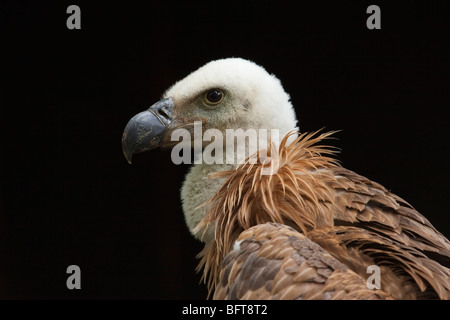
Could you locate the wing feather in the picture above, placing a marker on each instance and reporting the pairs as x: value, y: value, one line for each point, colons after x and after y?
x: 287, y: 265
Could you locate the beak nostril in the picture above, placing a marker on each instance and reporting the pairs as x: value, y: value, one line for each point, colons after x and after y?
x: 163, y: 113
x: 163, y: 110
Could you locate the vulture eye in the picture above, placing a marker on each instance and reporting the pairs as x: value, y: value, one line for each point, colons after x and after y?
x: 214, y: 96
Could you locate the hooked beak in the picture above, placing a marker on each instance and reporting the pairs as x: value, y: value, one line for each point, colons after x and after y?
x: 145, y: 131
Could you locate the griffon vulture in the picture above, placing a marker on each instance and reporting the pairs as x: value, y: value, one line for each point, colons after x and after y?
x: 308, y: 229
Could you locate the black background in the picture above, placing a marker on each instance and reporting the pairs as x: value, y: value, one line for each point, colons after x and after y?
x: 69, y: 197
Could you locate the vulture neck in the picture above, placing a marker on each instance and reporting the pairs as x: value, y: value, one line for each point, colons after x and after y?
x: 295, y: 195
x: 198, y: 188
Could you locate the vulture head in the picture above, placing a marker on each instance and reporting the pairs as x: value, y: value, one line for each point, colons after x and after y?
x: 224, y: 94
x: 234, y: 94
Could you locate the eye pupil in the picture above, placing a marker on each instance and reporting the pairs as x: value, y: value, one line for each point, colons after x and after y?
x: 214, y: 96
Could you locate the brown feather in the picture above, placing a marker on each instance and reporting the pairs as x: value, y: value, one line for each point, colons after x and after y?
x: 277, y: 262
x: 357, y: 220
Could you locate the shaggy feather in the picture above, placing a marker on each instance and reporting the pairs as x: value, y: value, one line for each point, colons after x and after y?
x: 292, y: 196
x: 357, y: 220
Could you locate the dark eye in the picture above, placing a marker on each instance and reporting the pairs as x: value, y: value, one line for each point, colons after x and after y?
x: 214, y: 96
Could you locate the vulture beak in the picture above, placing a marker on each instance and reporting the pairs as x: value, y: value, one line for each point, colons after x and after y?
x: 145, y: 131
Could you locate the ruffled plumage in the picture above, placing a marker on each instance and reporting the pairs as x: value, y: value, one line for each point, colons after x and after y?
x: 355, y: 220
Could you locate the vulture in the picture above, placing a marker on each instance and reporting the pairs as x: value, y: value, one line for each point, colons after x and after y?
x: 284, y: 220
